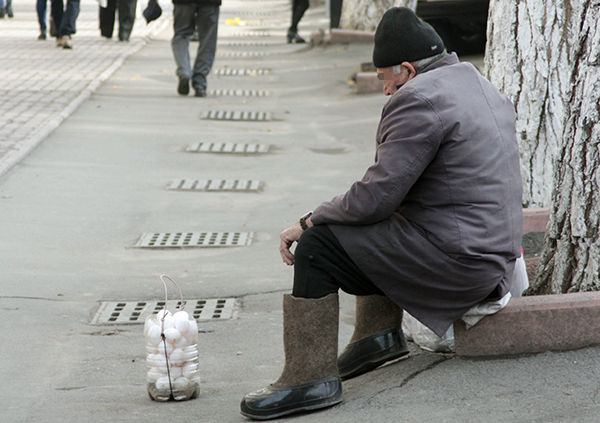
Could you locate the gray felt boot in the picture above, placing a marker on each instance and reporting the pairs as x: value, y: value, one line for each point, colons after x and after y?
x: 310, y: 377
x: 377, y: 337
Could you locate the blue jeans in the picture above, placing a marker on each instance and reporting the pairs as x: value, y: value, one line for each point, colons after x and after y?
x: 186, y: 17
x: 67, y: 24
x: 56, y: 11
x: 8, y: 2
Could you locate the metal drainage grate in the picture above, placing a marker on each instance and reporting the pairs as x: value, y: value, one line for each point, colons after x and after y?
x: 243, y: 54
x: 241, y: 72
x: 241, y: 93
x: 136, y: 312
x: 231, y: 115
x: 252, y: 34
x: 195, y: 239
x: 247, y: 44
x: 253, y: 13
x: 227, y: 148
x: 215, y: 185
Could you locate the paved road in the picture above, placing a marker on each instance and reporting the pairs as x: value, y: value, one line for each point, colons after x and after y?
x: 74, y: 208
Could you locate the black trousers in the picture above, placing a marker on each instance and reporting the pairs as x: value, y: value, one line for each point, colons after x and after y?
x: 322, y: 267
x: 298, y: 9
x: 126, y: 9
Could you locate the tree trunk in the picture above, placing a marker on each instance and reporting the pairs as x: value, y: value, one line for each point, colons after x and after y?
x: 527, y: 58
x: 366, y: 14
x: 570, y: 261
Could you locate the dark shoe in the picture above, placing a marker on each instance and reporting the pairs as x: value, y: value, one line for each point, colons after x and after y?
x: 9, y: 11
x: 200, y: 92
x: 2, y: 12
x: 310, y: 378
x: 369, y: 353
x: 272, y: 402
x: 184, y: 86
x: 42, y: 35
x: 293, y: 37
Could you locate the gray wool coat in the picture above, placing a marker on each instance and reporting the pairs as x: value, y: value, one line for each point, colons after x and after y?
x: 436, y: 222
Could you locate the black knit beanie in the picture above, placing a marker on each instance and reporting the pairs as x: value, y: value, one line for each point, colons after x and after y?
x: 402, y: 37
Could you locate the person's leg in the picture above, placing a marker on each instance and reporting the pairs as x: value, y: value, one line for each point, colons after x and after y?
x: 41, y: 7
x: 298, y: 9
x: 126, y: 18
x: 310, y: 379
x: 107, y: 18
x: 56, y: 14
x: 322, y: 266
x: 9, y: 11
x: 183, y: 28
x: 2, y: 10
x: 67, y: 25
x: 207, y: 25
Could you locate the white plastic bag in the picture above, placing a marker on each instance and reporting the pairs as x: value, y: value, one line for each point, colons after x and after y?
x: 425, y: 338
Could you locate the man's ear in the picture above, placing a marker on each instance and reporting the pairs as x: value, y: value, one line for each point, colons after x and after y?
x: 412, y: 72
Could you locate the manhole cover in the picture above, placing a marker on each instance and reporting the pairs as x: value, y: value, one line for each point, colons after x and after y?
x: 136, y: 312
x: 236, y: 115
x: 215, y: 185
x: 227, y: 148
x: 194, y: 239
x: 241, y: 93
x: 243, y: 54
x: 241, y: 72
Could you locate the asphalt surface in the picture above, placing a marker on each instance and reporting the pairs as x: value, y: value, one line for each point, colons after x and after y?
x: 91, y: 177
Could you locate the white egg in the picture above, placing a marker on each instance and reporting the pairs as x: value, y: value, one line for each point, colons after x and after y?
x: 176, y: 372
x: 154, y: 374
x: 177, y: 358
x: 190, y: 370
x: 181, y: 384
x: 153, y: 337
x: 190, y: 353
x: 172, y: 334
x: 150, y: 321
x: 163, y: 384
x: 151, y: 360
x: 182, y: 343
x: 161, y: 348
x: 169, y: 322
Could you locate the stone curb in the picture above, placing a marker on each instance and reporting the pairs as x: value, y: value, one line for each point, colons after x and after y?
x: 535, y: 219
x: 532, y: 325
x: 347, y: 36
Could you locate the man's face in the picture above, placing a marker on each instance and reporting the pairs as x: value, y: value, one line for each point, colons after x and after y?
x: 391, y: 80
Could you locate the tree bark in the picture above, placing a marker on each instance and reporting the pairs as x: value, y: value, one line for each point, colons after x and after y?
x: 527, y: 58
x: 570, y: 260
x: 366, y: 14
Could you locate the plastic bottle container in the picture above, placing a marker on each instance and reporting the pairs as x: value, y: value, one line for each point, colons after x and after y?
x: 172, y: 356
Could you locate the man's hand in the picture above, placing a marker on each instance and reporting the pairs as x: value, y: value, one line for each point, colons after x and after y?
x: 288, y: 237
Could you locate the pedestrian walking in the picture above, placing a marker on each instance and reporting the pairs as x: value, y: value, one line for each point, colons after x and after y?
x: 126, y: 12
x: 56, y: 13
x: 189, y: 16
x: 298, y: 9
x: 6, y: 11
x: 434, y: 227
x: 67, y: 28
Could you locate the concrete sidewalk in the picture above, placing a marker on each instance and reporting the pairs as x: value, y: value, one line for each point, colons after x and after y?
x: 74, y: 209
x: 41, y: 85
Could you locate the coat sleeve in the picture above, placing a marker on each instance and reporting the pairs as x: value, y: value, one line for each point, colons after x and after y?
x: 408, y: 138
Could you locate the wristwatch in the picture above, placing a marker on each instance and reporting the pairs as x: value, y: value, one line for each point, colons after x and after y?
x: 303, y: 220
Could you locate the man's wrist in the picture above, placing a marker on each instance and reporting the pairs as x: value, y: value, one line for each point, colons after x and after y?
x: 303, y: 219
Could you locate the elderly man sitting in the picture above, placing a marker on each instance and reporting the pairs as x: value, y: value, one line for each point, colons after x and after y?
x: 434, y: 227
